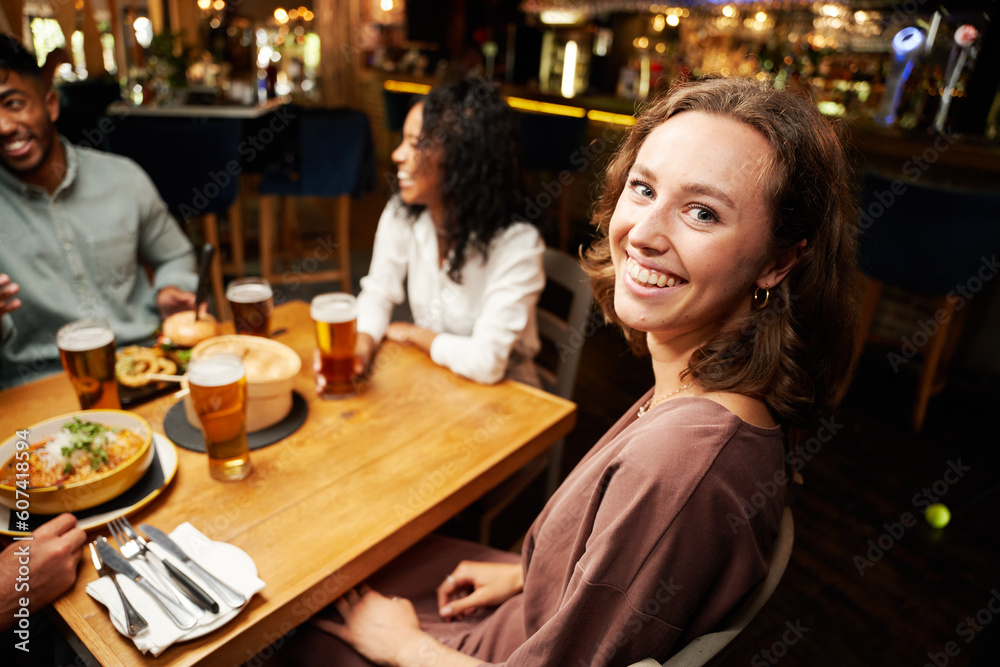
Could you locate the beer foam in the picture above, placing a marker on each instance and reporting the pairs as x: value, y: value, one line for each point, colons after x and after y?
x: 248, y: 293
x: 215, y: 371
x: 333, y: 308
x: 81, y: 339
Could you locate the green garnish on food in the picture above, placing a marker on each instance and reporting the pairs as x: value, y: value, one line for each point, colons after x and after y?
x: 86, y: 436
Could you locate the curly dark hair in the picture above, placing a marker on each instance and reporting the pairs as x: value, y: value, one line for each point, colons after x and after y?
x: 15, y: 58
x: 796, y: 353
x: 476, y: 132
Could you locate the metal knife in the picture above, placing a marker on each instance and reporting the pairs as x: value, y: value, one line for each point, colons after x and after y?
x: 231, y: 597
x: 179, y: 615
x: 191, y: 589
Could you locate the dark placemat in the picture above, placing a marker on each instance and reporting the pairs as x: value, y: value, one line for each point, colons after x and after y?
x: 151, y: 481
x: 179, y: 429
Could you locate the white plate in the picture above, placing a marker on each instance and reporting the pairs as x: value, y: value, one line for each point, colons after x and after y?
x: 166, y: 454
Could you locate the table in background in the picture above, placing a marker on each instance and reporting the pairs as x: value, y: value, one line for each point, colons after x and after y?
x: 362, y: 480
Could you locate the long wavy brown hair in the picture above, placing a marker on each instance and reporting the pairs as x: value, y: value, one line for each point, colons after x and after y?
x: 795, y: 354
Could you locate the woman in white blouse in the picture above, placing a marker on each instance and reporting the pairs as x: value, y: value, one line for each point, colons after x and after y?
x: 472, y: 272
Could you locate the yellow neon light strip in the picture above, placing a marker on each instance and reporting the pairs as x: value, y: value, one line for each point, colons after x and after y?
x: 614, y: 118
x: 527, y: 105
x: 546, y: 107
x: 406, y: 87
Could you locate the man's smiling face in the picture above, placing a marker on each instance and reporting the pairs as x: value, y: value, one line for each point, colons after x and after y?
x: 27, y: 123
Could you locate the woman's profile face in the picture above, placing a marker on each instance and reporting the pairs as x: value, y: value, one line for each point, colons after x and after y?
x: 417, y: 170
x: 690, y: 233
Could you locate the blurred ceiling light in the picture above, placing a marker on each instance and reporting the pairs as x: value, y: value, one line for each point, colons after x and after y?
x: 568, y: 88
x: 386, y: 5
x: 661, y: 47
x: 659, y: 22
x: 673, y: 21
x: 642, y: 42
x: 860, y: 17
x: 560, y: 17
x: 729, y: 11
x: 761, y: 17
x: 293, y: 14
x: 219, y: 5
x: 302, y: 10
x: 280, y: 15
x: 204, y: 4
x: 143, y: 31
x: 307, y: 15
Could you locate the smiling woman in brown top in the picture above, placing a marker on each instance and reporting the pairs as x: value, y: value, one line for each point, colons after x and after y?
x: 727, y: 253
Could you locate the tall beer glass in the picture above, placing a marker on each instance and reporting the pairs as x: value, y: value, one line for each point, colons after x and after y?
x: 87, y: 350
x: 335, y: 315
x: 252, y: 302
x: 218, y: 386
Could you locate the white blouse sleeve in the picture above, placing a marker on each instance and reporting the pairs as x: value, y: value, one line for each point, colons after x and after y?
x: 513, y: 281
x: 382, y: 288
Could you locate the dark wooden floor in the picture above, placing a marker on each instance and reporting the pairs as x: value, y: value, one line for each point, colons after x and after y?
x: 910, y: 602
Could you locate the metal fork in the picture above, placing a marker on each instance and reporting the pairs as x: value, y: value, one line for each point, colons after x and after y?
x: 132, y: 549
x: 134, y: 622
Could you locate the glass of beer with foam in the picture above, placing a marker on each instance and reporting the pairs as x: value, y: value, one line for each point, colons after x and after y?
x: 218, y: 385
x: 87, y: 350
x: 335, y: 315
x: 252, y: 302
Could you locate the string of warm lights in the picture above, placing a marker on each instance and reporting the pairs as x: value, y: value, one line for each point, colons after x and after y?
x: 283, y: 16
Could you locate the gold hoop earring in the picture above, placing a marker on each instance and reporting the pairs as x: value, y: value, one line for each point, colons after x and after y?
x: 759, y: 303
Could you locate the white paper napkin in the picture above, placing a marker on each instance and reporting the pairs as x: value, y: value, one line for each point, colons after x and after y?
x: 228, y: 563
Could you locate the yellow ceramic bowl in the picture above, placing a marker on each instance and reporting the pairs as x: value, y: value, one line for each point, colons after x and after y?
x: 89, y: 493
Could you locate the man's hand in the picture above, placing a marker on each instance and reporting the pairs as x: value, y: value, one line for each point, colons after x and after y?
x: 52, y: 557
x: 173, y: 299
x: 8, y: 290
x: 473, y: 585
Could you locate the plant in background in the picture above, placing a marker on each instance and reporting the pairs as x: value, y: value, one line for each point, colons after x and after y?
x: 169, y: 58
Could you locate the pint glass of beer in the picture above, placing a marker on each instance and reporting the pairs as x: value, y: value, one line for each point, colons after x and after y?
x: 87, y: 350
x: 252, y: 302
x: 218, y: 386
x: 336, y: 317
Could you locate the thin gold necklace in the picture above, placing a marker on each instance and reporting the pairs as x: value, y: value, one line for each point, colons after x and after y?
x: 649, y: 405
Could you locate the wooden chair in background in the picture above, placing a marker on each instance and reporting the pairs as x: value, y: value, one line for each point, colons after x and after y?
x: 332, y: 157
x: 567, y: 335
x: 189, y: 161
x: 931, y: 241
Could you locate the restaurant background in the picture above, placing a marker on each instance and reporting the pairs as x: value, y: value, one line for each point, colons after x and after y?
x: 598, y: 60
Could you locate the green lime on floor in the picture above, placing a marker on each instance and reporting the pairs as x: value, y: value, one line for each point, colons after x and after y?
x: 938, y: 515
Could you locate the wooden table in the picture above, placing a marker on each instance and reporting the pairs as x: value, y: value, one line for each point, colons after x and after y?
x: 362, y: 480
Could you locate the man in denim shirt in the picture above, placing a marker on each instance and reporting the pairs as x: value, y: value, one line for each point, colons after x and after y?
x: 75, y: 224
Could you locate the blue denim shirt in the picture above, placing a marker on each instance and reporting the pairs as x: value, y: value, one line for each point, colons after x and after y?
x: 77, y: 253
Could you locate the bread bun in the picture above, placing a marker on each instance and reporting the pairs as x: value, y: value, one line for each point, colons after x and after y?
x: 183, y: 330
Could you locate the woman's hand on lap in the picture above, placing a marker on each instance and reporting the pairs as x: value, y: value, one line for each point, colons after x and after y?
x: 473, y: 585
x: 378, y: 627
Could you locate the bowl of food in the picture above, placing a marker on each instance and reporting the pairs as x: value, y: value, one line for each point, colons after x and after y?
x: 271, y: 368
x: 74, y: 461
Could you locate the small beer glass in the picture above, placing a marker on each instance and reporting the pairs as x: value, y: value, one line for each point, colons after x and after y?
x: 87, y: 350
x: 252, y: 302
x: 335, y: 315
x: 218, y: 386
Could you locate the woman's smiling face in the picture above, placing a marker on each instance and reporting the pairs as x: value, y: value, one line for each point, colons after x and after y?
x: 690, y: 235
